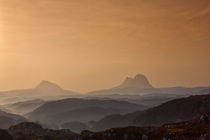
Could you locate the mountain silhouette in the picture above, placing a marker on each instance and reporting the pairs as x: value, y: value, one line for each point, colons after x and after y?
x: 138, y: 84
x: 48, y: 86
x: 44, y: 90
x: 139, y: 81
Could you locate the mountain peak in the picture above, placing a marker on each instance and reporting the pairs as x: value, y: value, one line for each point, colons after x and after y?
x: 46, y: 85
x: 140, y: 76
x: 139, y: 81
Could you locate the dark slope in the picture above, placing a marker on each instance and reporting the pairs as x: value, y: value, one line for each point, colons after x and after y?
x: 196, y: 129
x: 75, y: 126
x: 68, y: 110
x: 175, y: 110
x: 8, y: 119
x: 115, y: 120
x: 172, y: 111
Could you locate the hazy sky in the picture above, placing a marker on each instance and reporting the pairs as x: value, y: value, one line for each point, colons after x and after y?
x: 91, y: 44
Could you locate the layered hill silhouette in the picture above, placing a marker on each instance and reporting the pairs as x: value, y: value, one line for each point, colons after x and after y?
x: 8, y: 119
x: 175, y: 111
x: 195, y: 129
x: 82, y: 110
x: 135, y: 90
x: 170, y: 112
x: 25, y: 106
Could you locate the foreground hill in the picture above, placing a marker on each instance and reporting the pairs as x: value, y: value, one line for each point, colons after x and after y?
x: 33, y: 131
x: 196, y: 129
x: 84, y: 110
x: 170, y: 112
x: 75, y: 126
x: 8, y: 119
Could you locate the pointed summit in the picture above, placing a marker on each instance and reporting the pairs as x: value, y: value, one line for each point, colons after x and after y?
x: 49, y: 86
x: 139, y: 81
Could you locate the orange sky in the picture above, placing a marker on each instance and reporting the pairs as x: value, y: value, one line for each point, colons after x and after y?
x: 92, y: 44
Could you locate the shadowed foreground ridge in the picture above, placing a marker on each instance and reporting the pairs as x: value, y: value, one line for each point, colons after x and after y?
x: 196, y: 129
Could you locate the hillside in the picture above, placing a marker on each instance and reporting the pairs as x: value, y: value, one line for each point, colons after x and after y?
x: 196, y: 129
x: 25, y: 106
x: 172, y: 111
x: 175, y: 111
x: 84, y: 110
x: 8, y: 119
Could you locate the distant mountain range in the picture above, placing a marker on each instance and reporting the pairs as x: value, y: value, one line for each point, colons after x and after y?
x: 44, y: 90
x: 139, y: 90
x: 134, y: 90
x: 140, y: 85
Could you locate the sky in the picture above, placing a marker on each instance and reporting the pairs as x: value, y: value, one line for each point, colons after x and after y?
x: 86, y: 45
